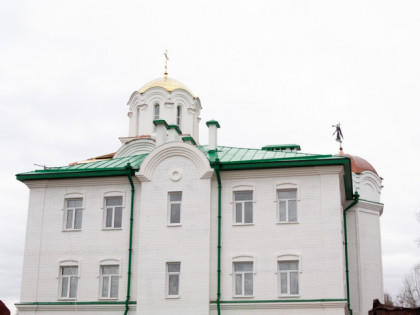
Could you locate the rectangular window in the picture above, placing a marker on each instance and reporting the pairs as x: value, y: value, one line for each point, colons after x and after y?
x: 73, y: 214
x: 172, y: 279
x: 243, y: 207
x: 289, y: 277
x: 68, y: 282
x: 243, y: 278
x: 113, y: 212
x: 287, y: 205
x: 109, y: 281
x: 175, y: 200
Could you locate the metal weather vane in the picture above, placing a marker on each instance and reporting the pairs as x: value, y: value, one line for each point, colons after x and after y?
x: 339, y: 134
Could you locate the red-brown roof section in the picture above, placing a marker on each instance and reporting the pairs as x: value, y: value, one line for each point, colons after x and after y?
x: 358, y: 165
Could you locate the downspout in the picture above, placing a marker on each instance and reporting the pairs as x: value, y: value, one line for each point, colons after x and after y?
x: 355, y: 201
x: 129, y: 169
x: 216, y: 166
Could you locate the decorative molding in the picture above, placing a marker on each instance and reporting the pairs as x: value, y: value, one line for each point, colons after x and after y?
x: 75, y: 307
x: 175, y: 174
x: 286, y: 304
x: 135, y: 147
x: 78, y: 182
x: 281, y: 172
x: 172, y: 149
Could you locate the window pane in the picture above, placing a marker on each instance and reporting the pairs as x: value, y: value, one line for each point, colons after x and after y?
x: 105, y: 284
x: 288, y: 265
x: 108, y: 217
x: 115, y: 201
x: 238, y: 284
x: 118, y: 217
x: 245, y: 266
x: 78, y: 219
x: 287, y: 194
x: 109, y: 270
x: 239, y: 196
x: 248, y: 212
x: 74, y: 203
x: 292, y: 211
x: 69, y: 219
x: 69, y: 270
x: 73, y: 287
x: 175, y: 196
x: 248, y: 284
x: 282, y: 211
x: 64, y: 286
x: 176, y: 267
x: 114, y: 286
x: 173, y: 285
x: 175, y: 213
x: 283, y: 283
x: 157, y: 110
x: 238, y: 214
x: 294, y: 283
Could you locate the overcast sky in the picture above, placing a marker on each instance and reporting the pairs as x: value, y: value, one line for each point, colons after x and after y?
x: 270, y: 72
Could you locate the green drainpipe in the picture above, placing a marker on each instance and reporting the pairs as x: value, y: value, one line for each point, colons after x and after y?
x: 216, y: 166
x: 355, y: 201
x: 130, y: 246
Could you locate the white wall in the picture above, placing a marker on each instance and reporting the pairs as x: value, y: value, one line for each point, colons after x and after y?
x: 47, y: 244
x: 317, y: 238
x: 188, y: 243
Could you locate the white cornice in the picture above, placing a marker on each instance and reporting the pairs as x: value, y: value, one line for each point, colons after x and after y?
x: 77, y: 182
x: 281, y: 172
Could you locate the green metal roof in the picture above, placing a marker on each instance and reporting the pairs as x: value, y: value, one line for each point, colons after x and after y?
x: 229, y: 158
x: 112, y: 167
x: 232, y: 155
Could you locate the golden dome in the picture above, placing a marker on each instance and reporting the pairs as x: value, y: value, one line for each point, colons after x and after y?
x: 166, y: 83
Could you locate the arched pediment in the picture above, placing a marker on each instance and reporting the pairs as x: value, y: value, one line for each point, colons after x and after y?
x: 174, y: 149
x: 135, y: 147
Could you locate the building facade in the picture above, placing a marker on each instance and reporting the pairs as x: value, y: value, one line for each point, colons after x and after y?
x: 168, y: 226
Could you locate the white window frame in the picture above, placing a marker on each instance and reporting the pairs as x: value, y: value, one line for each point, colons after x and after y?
x: 170, y: 203
x: 105, y: 212
x: 74, y: 210
x: 67, y: 264
x: 110, y: 277
x: 242, y: 202
x: 239, y: 260
x: 173, y: 273
x: 288, y: 258
x: 288, y: 187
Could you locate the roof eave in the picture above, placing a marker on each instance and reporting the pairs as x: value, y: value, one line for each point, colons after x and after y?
x: 76, y: 174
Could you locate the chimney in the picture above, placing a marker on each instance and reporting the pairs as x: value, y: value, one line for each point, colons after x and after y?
x: 173, y: 133
x: 161, y: 130
x: 213, y: 125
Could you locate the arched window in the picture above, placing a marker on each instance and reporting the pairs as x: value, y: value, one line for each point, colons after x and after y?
x: 156, y: 114
x: 178, y: 116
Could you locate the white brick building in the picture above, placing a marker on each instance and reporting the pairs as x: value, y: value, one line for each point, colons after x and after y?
x: 167, y: 226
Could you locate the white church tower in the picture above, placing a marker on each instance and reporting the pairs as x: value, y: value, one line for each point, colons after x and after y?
x: 161, y: 99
